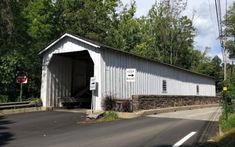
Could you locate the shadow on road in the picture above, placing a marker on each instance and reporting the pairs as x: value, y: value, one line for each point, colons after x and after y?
x: 5, y: 135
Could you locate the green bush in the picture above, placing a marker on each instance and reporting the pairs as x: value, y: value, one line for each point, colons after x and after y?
x: 229, y: 124
x: 18, y: 99
x: 227, y: 97
x: 35, y: 101
x: 3, y: 98
x: 109, y: 116
x: 230, y: 108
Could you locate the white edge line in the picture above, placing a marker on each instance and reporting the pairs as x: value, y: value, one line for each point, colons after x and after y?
x: 179, y: 143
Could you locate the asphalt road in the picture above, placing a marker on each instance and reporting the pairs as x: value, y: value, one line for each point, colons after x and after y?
x: 64, y: 129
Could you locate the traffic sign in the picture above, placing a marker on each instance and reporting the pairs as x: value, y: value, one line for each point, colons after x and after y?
x: 92, y: 83
x: 22, y: 79
x: 225, y: 88
x: 130, y: 74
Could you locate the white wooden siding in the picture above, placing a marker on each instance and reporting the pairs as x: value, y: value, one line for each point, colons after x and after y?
x: 149, y: 76
x: 59, y: 79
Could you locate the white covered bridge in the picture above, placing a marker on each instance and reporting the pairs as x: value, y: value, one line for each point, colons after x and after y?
x: 70, y: 61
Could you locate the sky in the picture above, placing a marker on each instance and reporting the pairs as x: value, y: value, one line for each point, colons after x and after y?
x: 204, y: 21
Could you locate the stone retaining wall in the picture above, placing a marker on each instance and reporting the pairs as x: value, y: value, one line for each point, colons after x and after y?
x: 145, y: 102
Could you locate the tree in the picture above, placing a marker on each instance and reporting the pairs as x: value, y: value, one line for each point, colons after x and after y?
x: 211, y: 67
x: 167, y: 36
x: 14, y: 43
x: 229, y: 21
x: 12, y: 35
x: 91, y: 19
x: 125, y: 35
x: 230, y: 30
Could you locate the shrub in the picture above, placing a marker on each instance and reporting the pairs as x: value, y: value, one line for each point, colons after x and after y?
x: 109, y: 103
x: 3, y: 98
x: 35, y: 101
x: 18, y: 99
x: 126, y: 106
x: 230, y: 107
x: 112, y: 104
x: 109, y: 116
x: 229, y: 124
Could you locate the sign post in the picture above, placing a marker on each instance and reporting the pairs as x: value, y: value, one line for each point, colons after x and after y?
x: 225, y: 89
x: 92, y: 88
x: 21, y: 79
x: 21, y: 91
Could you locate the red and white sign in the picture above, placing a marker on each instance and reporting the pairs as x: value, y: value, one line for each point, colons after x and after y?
x: 22, y: 79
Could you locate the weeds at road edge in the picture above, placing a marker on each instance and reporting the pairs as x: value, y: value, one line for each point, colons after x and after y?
x: 229, y: 124
x: 108, y: 116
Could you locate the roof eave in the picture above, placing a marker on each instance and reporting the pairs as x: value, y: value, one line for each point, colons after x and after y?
x: 67, y: 35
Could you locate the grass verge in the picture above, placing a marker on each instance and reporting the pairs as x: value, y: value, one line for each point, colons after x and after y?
x: 229, y: 124
x: 227, y: 140
x: 108, y: 116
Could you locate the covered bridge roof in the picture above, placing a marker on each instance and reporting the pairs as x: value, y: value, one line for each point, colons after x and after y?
x: 103, y: 46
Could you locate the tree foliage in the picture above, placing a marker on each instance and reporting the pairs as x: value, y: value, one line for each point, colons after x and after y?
x: 166, y: 36
x: 230, y: 30
x: 230, y: 34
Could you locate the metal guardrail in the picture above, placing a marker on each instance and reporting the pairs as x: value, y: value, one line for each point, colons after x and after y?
x: 14, y: 105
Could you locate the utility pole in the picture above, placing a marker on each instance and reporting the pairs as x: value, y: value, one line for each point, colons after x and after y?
x: 225, y: 89
x: 225, y: 76
x: 223, y: 40
x: 225, y: 60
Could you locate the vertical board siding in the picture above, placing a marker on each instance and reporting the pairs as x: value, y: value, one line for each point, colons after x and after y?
x: 149, y: 76
x: 60, y: 70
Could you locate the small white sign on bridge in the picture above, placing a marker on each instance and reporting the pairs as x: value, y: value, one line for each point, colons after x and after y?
x: 130, y: 74
x: 92, y: 83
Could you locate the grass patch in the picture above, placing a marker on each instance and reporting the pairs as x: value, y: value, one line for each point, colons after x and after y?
x: 227, y: 140
x: 229, y: 124
x: 108, y: 116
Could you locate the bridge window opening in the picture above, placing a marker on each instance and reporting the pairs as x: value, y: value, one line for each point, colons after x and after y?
x: 164, y: 86
x: 197, y: 89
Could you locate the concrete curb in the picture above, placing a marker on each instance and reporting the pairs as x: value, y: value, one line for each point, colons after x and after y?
x: 21, y: 110
x: 71, y: 110
x: 129, y: 115
x: 122, y: 115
